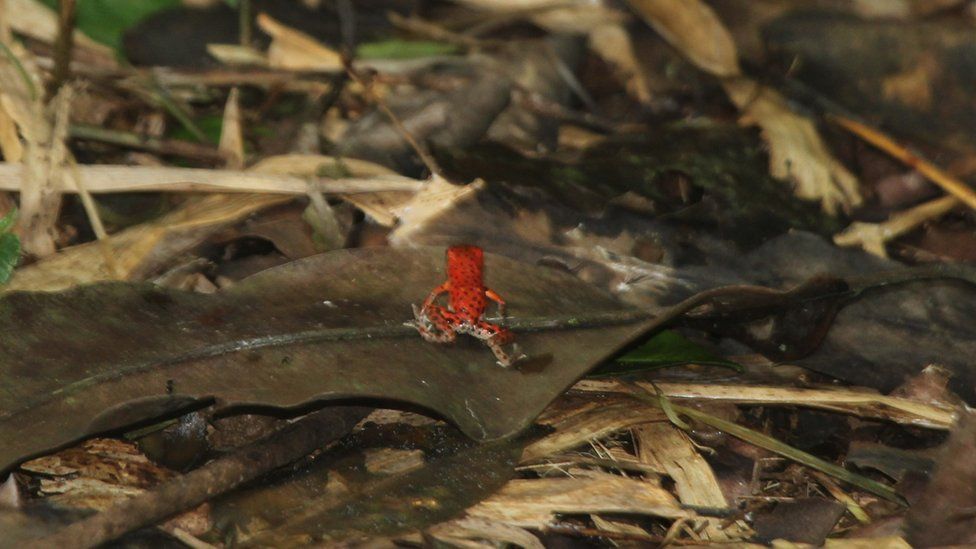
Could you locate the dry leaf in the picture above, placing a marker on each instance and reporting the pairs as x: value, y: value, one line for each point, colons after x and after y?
x: 694, y: 29
x: 34, y: 19
x: 382, y: 206
x: 294, y: 50
x: 236, y: 55
x: 392, y: 461
x: 232, y: 133
x: 854, y: 401
x: 566, y: 16
x: 144, y: 249
x: 439, y: 196
x: 796, y: 152
x: 944, y: 515
x: 612, y: 43
x: 872, y: 237
x: 10, y: 145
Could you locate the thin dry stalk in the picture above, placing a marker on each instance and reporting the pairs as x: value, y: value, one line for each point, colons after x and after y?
x: 117, y: 179
x: 872, y: 237
x: 857, y: 402
x: 421, y: 150
x: 933, y: 173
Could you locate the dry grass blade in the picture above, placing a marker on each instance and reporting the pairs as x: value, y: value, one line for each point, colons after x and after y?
x: 117, y: 179
x: 773, y: 445
x: 294, y: 50
x: 593, y: 423
x: 232, y: 132
x: 861, y: 403
x: 694, y: 29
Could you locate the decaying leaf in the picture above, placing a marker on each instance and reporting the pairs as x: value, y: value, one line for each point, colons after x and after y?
x: 944, y: 516
x: 331, y: 326
x: 143, y: 249
x: 694, y: 29
x: 102, y: 472
x: 612, y: 43
x: 334, y: 499
x: 295, y: 50
x: 797, y: 154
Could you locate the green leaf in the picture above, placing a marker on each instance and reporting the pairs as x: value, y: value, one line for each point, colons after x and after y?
x: 210, y: 127
x: 665, y: 349
x: 106, y: 20
x: 404, y: 49
x: 7, y: 221
x: 9, y: 255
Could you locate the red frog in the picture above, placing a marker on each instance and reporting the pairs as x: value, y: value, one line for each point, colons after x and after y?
x: 467, y: 300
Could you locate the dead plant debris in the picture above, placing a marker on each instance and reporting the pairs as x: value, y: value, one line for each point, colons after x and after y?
x: 754, y: 185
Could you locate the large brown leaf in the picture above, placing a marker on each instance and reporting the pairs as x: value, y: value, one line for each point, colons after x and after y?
x: 326, y: 327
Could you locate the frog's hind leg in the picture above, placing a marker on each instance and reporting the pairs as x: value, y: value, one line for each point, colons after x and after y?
x: 496, y: 337
x: 435, y: 323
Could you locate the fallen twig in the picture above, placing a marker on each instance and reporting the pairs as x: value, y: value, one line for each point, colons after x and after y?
x: 277, y: 449
x: 933, y: 173
x: 872, y: 237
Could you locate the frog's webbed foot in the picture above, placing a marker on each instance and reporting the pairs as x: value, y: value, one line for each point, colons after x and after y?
x: 428, y: 322
x: 503, y: 358
x: 420, y: 319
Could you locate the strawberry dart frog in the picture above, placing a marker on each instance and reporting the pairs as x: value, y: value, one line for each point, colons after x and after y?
x: 467, y: 300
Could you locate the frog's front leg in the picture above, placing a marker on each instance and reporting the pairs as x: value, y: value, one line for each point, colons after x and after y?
x: 435, y: 323
x: 490, y: 294
x: 434, y: 294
